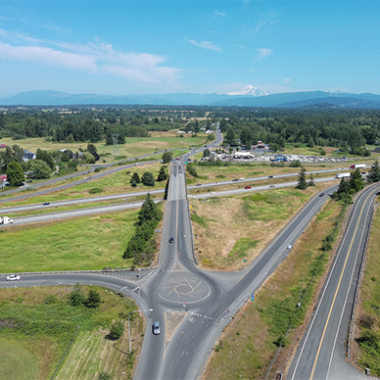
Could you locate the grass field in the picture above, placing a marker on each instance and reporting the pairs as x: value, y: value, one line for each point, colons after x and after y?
x: 233, y: 230
x: 116, y: 183
x: 39, y: 331
x: 134, y: 147
x: 92, y: 242
x: 366, y: 347
x: 248, y: 343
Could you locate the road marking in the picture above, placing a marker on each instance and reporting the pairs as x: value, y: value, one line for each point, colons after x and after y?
x: 337, y: 289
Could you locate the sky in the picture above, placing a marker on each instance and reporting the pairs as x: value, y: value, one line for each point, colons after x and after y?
x: 156, y: 47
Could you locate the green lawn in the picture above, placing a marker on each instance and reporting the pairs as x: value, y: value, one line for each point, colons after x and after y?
x: 91, y: 242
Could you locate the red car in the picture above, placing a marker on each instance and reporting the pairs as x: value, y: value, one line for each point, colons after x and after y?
x: 248, y: 187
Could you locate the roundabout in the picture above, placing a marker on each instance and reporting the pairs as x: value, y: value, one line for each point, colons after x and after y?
x: 184, y: 289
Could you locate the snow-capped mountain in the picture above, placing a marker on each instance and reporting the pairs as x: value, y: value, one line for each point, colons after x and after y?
x: 248, y: 90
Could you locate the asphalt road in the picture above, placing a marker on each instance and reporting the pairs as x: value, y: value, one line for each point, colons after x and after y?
x: 321, y: 354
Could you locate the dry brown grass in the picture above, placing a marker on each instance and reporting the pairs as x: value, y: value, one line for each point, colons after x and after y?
x: 226, y: 222
x: 247, y: 346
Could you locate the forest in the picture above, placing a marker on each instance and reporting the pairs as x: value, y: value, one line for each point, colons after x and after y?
x: 347, y: 129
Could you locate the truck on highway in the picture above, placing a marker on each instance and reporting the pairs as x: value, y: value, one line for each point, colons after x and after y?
x: 356, y: 166
x: 343, y: 175
x: 5, y: 220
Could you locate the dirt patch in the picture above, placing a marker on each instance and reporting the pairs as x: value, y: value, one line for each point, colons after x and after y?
x: 107, y: 220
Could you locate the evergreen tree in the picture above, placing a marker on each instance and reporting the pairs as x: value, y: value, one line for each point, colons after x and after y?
x: 93, y: 300
x: 230, y: 137
x: 302, y: 184
x: 121, y: 140
x: 162, y: 175
x: 117, y: 330
x: 356, y: 181
x: 166, y: 157
x: 15, y: 174
x: 133, y: 182
x: 91, y: 148
x: 311, y: 182
x: 206, y: 153
x: 147, y: 179
x: 344, y: 187
x: 109, y: 139
x: 374, y: 172
x: 136, y: 177
x: 149, y: 211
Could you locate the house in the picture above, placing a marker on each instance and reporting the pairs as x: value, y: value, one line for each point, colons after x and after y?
x: 28, y: 155
x: 3, y: 177
x: 3, y: 145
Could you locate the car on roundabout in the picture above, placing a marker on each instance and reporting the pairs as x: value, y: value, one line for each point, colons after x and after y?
x: 156, y: 328
x: 13, y: 277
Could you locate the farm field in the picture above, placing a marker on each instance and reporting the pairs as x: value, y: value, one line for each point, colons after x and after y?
x: 249, y: 342
x: 233, y: 230
x: 134, y: 147
x: 33, y: 354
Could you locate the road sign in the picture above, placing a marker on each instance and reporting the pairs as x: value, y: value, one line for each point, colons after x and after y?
x: 186, y: 162
x: 252, y: 296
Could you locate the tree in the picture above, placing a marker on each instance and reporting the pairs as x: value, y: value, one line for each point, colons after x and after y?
x: 310, y: 143
x: 88, y: 158
x: 166, y: 157
x: 40, y: 169
x: 162, y: 175
x: 136, y: 177
x: 356, y: 181
x: 374, y: 172
x: 93, y: 300
x: 147, y: 179
x: 133, y: 182
x: 248, y: 145
x: 206, y: 153
x: 15, y: 174
x: 117, y: 330
x: 91, y: 148
x: 109, y: 139
x: 211, y: 137
x: 121, y: 140
x: 76, y: 297
x: 149, y: 211
x: 45, y: 156
x: 302, y: 184
x: 230, y: 137
x: 344, y: 187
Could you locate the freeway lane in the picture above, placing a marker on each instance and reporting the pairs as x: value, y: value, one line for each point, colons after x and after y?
x: 321, y: 347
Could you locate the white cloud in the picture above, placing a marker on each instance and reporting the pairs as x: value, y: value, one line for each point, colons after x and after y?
x: 264, y: 53
x: 287, y: 80
x: 242, y: 46
x: 93, y: 57
x: 205, y: 45
x: 217, y: 13
x: 48, y: 56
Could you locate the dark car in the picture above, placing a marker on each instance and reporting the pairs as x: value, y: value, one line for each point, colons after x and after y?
x: 198, y: 184
x: 30, y: 181
x: 171, y: 240
x: 205, y: 146
x: 248, y: 187
x: 271, y: 186
x: 235, y: 180
x: 46, y: 204
x: 270, y: 176
x: 322, y: 194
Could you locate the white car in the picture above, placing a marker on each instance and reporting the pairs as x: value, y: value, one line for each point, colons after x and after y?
x: 13, y: 277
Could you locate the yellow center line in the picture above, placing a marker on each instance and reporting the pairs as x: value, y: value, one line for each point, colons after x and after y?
x: 337, y: 289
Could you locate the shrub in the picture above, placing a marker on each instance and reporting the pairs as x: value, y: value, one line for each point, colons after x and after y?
x: 95, y: 190
x: 93, y: 300
x: 117, y: 330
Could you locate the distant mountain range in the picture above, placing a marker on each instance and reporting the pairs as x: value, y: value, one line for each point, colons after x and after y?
x: 248, y: 96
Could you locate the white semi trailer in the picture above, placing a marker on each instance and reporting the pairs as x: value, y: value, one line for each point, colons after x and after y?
x: 343, y: 175
x: 5, y: 220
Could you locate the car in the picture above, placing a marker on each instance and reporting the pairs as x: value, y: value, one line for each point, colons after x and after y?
x: 270, y: 176
x: 290, y: 247
x: 156, y: 328
x: 364, y: 173
x: 30, y: 181
x: 198, y: 184
x: 205, y: 146
x: 321, y: 195
x: 271, y: 186
x: 46, y: 204
x: 13, y: 277
x: 177, y: 158
x: 235, y: 180
x: 248, y: 187
x: 212, y: 193
x: 241, y: 179
x: 171, y: 240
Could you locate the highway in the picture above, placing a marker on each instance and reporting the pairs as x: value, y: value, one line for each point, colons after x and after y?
x: 207, y: 300
x: 321, y: 354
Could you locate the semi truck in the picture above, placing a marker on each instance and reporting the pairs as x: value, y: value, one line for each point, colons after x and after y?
x: 5, y: 220
x: 343, y: 175
x: 356, y: 166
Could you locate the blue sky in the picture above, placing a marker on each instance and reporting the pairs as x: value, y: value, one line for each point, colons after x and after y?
x: 137, y: 47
